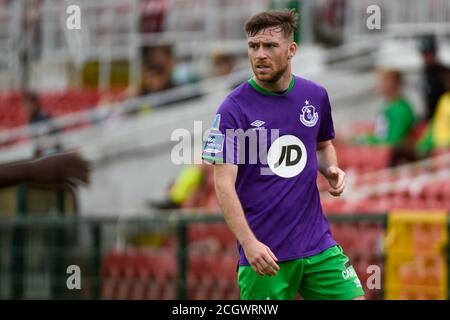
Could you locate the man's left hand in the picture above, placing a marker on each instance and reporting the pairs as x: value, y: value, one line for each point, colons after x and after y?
x: 336, y: 179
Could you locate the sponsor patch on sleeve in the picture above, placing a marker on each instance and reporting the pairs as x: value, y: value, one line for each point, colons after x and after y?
x: 214, y: 143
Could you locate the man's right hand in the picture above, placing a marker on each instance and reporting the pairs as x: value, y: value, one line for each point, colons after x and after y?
x: 261, y: 258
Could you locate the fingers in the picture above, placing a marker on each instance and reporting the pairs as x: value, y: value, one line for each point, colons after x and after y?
x: 70, y: 184
x: 340, y: 179
x: 336, y: 175
x: 258, y: 268
x: 261, y: 258
x: 271, y: 266
x: 333, y: 172
x: 85, y: 172
x: 263, y: 268
x: 336, y: 192
x: 78, y: 169
x: 336, y: 180
x: 272, y: 254
x: 271, y: 259
x: 265, y: 264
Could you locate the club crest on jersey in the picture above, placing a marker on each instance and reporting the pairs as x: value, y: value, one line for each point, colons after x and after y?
x: 309, y: 116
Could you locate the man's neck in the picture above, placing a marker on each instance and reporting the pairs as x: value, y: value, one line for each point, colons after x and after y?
x: 281, y: 85
x: 394, y: 96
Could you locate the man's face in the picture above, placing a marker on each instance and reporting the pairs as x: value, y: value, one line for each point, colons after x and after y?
x: 386, y: 84
x: 156, y: 79
x: 30, y: 108
x: 270, y: 52
x: 429, y: 58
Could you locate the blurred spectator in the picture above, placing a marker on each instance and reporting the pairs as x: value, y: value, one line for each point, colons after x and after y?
x: 158, y: 65
x: 223, y: 64
x: 193, y: 188
x: 437, y: 135
x: 155, y: 78
x: 45, y: 144
x: 157, y: 71
x: 60, y: 169
x: 161, y: 72
x: 33, y: 108
x: 183, y: 189
x: 163, y: 56
x: 397, y: 118
x: 434, y: 75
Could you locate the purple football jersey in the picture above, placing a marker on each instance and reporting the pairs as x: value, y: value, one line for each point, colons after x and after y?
x: 273, y: 140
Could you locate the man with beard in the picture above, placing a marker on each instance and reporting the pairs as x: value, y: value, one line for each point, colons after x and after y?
x: 272, y: 204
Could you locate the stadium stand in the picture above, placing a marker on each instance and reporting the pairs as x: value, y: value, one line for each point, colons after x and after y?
x: 54, y: 103
x: 131, y: 155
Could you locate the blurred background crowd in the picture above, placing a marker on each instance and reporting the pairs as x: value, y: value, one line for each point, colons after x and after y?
x: 115, y: 90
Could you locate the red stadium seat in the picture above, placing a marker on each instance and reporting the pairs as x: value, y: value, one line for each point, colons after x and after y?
x: 56, y: 103
x: 112, y: 271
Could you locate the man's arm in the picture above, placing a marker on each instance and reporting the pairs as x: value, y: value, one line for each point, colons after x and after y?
x: 328, y: 166
x: 57, y: 169
x: 12, y: 174
x: 260, y: 257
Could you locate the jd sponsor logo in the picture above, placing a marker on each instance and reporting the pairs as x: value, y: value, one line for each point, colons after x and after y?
x: 287, y: 156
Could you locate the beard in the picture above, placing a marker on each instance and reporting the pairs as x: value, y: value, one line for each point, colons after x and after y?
x: 271, y: 77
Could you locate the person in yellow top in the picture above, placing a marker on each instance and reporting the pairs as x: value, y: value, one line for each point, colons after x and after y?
x: 187, y: 190
x: 441, y: 125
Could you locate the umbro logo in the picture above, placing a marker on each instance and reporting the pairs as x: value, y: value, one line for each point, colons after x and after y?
x: 257, y: 124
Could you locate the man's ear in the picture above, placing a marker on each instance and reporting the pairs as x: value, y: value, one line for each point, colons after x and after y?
x: 292, y: 50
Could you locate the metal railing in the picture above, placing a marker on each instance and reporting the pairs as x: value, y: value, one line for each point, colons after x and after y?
x: 99, y: 235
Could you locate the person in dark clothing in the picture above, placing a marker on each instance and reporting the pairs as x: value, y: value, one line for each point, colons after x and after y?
x: 155, y: 78
x: 434, y: 75
x: 35, y: 114
x: 33, y: 108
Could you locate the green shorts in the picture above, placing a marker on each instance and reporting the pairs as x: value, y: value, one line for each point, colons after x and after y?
x: 327, y: 275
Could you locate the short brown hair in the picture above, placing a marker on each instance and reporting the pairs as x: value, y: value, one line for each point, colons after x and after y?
x: 395, y: 74
x: 31, y: 97
x: 286, y: 20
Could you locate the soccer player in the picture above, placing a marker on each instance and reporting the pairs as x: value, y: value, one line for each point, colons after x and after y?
x: 272, y: 205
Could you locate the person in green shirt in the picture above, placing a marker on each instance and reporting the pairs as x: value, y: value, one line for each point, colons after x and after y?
x: 397, y: 119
